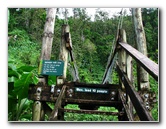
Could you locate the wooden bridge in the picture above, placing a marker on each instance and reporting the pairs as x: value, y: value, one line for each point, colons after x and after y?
x: 123, y: 96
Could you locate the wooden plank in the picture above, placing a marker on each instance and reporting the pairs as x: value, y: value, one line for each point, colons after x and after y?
x: 47, y: 95
x: 111, y: 86
x: 58, y: 103
x: 135, y: 98
x: 92, y: 112
x: 143, y: 60
x: 94, y: 102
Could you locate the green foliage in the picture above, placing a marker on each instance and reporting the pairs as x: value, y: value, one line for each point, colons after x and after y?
x: 21, y: 48
x: 150, y: 20
x: 18, y: 83
x: 89, y: 117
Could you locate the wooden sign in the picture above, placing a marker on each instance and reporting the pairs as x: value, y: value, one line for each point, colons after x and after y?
x: 51, y: 67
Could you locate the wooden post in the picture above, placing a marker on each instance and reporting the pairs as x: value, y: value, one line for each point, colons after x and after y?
x: 122, y: 63
x: 38, y: 109
x: 143, y: 76
x: 129, y: 71
x: 64, y: 57
x: 125, y: 61
x: 73, y: 68
x: 63, y: 54
x: 121, y: 52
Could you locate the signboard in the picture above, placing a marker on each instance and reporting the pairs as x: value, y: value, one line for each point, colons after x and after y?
x: 51, y: 67
x: 91, y: 90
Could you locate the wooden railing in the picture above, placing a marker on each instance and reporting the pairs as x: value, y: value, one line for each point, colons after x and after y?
x: 150, y: 66
x: 129, y: 95
x: 132, y: 97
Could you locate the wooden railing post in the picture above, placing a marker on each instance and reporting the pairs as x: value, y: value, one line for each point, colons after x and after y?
x: 121, y: 52
x: 129, y: 72
x: 122, y: 63
x: 125, y: 61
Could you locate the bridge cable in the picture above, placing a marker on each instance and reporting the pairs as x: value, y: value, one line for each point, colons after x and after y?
x: 111, y: 62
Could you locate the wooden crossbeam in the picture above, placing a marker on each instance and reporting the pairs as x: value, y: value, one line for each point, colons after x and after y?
x: 92, y: 112
x: 150, y: 66
x: 58, y: 103
x: 94, y: 102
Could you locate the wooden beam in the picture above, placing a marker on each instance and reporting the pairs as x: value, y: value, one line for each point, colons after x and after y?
x: 134, y: 96
x: 91, y: 112
x: 54, y: 114
x: 111, y: 86
x: 150, y: 66
x: 94, y: 102
x: 127, y: 109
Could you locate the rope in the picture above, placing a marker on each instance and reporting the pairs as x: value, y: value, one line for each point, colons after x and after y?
x: 66, y: 19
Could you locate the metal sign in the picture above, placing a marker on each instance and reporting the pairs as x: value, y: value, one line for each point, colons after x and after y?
x: 51, y: 67
x: 91, y: 90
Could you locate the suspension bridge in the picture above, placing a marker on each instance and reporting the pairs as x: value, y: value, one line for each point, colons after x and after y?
x: 123, y: 96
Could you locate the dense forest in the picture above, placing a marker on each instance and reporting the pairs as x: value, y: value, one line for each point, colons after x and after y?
x: 92, y: 42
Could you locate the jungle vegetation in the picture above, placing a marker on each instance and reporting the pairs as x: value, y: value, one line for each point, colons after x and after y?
x: 92, y: 42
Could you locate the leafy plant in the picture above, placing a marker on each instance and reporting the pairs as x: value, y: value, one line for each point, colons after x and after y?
x: 18, y: 83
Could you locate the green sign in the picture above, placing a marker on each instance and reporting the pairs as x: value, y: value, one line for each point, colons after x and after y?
x: 91, y: 90
x: 51, y: 67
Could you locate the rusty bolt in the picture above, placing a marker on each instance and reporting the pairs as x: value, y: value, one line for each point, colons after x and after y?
x: 70, y: 95
x: 147, y: 103
x: 146, y: 95
x: 147, y: 107
x: 38, y: 98
x: 124, y: 94
x: 38, y: 89
x: 113, y: 93
x: 52, y: 88
x: 71, y: 90
x: 58, y: 90
x: 112, y: 98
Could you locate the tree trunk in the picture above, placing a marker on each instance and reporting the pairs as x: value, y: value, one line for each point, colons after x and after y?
x: 48, y: 34
x: 38, y: 109
x: 143, y: 76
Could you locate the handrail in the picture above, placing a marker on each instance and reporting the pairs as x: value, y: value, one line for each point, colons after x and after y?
x: 137, y: 102
x: 150, y: 66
